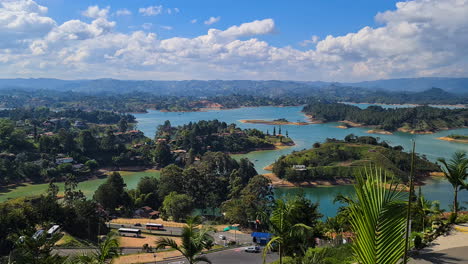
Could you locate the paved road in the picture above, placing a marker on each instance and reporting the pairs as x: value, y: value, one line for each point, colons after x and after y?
x: 167, y: 230
x: 231, y: 256
x: 457, y: 255
x: 239, y: 237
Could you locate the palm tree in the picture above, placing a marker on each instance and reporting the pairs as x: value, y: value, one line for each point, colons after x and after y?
x: 106, y: 250
x: 377, y: 217
x: 455, y: 170
x: 283, y: 228
x: 194, y: 240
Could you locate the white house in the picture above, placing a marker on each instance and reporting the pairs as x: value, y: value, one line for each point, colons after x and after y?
x: 299, y: 167
x: 64, y: 160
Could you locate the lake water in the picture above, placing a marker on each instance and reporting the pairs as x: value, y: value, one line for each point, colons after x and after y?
x: 304, y: 137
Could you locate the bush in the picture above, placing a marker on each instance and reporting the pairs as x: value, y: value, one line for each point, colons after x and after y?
x: 418, y: 244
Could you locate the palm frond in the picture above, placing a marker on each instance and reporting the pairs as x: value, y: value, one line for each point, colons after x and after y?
x: 163, y: 242
x: 269, y: 246
x: 377, y: 219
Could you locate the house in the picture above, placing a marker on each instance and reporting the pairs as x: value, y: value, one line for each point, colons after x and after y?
x: 78, y: 166
x: 80, y: 124
x: 299, y: 167
x: 49, y: 134
x: 146, y: 212
x: 64, y: 160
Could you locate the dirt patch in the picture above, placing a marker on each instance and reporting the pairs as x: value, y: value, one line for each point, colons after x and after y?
x: 379, y: 131
x: 266, y: 122
x: 453, y: 139
x: 144, y: 239
x: 143, y: 221
x: 350, y: 123
x: 277, y: 182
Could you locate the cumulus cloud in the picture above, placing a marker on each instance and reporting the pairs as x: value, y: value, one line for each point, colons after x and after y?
x: 430, y: 42
x: 123, y: 12
x: 96, y: 12
x: 151, y: 10
x: 212, y: 20
x: 21, y: 22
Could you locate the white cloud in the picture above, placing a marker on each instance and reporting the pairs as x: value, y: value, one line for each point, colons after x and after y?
x: 22, y: 22
x: 212, y: 20
x: 430, y: 42
x: 151, y: 10
x: 193, y: 21
x: 123, y: 12
x: 313, y: 40
x: 96, y: 12
x: 167, y: 27
x: 147, y: 26
x: 257, y: 27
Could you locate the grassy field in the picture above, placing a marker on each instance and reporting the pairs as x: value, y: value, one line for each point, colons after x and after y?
x: 87, y: 187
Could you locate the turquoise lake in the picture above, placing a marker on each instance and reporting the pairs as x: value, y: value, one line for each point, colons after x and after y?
x: 305, y: 136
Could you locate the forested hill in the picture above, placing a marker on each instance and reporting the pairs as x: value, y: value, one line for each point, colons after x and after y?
x: 270, y: 88
x: 203, y: 136
x: 422, y: 119
x: 337, y: 159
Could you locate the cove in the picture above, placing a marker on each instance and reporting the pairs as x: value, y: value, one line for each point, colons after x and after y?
x: 305, y: 136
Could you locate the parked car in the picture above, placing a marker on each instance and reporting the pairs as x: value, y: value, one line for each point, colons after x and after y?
x: 222, y: 237
x: 137, y: 224
x: 253, y: 249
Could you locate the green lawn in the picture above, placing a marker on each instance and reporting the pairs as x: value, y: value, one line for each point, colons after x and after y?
x: 87, y: 187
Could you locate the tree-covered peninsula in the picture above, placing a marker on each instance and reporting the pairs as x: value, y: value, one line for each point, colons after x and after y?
x: 422, y: 119
x: 343, y: 159
x: 214, y: 135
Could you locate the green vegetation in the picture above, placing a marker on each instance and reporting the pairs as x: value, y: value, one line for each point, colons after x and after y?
x: 456, y: 172
x: 421, y: 119
x: 203, y: 136
x: 291, y: 225
x: 337, y: 159
x: 137, y: 101
x: 377, y: 218
x: 194, y: 240
x: 462, y: 137
x: 107, y: 250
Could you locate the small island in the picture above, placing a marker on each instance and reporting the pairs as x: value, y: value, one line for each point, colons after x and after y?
x: 281, y: 121
x: 195, y: 139
x: 336, y: 162
x: 455, y: 138
x: 414, y: 120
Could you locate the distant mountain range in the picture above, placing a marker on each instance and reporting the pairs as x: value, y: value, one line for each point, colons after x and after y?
x: 219, y: 88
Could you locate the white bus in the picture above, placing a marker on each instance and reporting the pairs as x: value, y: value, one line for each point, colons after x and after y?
x: 130, y: 232
x: 152, y: 226
x: 53, y: 230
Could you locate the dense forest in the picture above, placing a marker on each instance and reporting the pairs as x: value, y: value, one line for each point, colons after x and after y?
x: 203, y: 136
x: 415, y: 119
x: 337, y: 159
x: 135, y: 101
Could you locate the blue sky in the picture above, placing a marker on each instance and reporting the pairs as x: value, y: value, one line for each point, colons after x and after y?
x: 296, y: 20
x: 206, y: 39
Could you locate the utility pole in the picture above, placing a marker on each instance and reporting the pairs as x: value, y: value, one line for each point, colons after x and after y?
x: 408, y: 216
